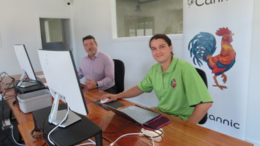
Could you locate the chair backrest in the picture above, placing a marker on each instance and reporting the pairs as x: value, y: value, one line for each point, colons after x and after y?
x: 119, y: 75
x: 204, y: 78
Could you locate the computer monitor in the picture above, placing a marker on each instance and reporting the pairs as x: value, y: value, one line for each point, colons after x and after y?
x: 60, y: 74
x: 26, y: 66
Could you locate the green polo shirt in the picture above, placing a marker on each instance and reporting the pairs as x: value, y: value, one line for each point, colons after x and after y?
x: 178, y: 90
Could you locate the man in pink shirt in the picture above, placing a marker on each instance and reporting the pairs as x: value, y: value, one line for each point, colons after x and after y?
x: 97, y: 67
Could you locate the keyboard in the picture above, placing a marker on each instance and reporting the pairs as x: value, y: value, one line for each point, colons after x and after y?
x: 139, y: 114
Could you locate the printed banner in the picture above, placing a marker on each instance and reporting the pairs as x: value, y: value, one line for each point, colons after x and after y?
x: 217, y: 36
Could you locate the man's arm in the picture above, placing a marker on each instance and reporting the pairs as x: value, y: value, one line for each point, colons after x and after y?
x: 109, y: 70
x: 132, y: 92
x: 91, y: 84
x: 199, y: 112
x: 80, y: 74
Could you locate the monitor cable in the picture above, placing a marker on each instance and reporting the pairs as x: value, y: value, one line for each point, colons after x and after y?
x: 38, y: 130
x: 14, y: 138
x: 62, y: 121
x: 34, y: 135
x: 157, y: 131
x: 3, y: 75
x: 91, y: 142
x: 3, y: 98
x: 129, y: 134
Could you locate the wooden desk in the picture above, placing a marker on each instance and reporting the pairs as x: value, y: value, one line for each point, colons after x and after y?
x: 29, y: 141
x: 25, y: 131
x: 178, y: 132
x: 14, y: 106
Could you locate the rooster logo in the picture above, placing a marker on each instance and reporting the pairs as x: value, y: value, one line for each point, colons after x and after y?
x: 173, y: 83
x: 203, y: 46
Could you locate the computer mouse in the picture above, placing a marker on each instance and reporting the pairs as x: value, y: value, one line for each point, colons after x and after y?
x: 104, y: 100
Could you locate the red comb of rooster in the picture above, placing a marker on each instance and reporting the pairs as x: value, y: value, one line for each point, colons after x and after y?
x: 222, y: 31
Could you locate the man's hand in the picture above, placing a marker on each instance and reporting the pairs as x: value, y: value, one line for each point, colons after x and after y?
x: 91, y: 84
x: 135, y: 91
x: 111, y: 97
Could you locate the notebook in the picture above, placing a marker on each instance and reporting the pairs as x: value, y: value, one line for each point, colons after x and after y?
x: 135, y: 113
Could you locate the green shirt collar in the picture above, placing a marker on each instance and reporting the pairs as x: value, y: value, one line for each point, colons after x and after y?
x: 171, y: 67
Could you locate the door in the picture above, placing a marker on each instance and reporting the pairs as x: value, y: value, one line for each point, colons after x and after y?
x: 55, y: 34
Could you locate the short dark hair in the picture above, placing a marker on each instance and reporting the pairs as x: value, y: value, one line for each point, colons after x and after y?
x: 161, y: 36
x: 88, y: 38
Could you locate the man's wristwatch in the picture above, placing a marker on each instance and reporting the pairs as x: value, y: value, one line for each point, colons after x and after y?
x: 96, y: 85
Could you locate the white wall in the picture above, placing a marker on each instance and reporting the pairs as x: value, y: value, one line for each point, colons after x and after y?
x: 172, y: 12
x: 19, y: 25
x: 253, y: 112
x: 92, y: 17
x: 136, y: 54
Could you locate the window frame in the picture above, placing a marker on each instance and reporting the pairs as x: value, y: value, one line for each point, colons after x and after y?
x: 136, y: 38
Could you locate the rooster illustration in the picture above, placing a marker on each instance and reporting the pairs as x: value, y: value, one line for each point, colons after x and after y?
x: 203, y: 46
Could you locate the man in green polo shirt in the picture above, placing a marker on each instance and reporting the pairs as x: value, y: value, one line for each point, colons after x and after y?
x: 179, y: 88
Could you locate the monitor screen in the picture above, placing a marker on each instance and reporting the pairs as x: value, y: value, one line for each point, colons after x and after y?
x: 25, y: 64
x: 61, y: 76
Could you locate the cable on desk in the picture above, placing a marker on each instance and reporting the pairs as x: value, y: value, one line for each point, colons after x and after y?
x: 159, y: 134
x: 155, y: 130
x: 14, y: 139
x: 36, y: 136
x: 43, y: 132
x: 4, y: 74
x: 91, y: 142
x: 63, y: 120
x: 141, y: 133
x: 3, y: 93
x: 131, y: 134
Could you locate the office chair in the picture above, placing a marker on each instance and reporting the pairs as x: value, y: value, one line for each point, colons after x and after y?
x: 119, y: 75
x: 204, y: 78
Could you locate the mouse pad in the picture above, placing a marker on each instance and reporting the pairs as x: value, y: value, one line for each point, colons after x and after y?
x: 113, y: 104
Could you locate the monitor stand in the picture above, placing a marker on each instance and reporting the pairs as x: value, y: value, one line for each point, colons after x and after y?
x: 72, y: 118
x: 28, y: 83
x: 57, y: 116
x: 21, y: 90
x: 71, y: 135
x: 25, y: 84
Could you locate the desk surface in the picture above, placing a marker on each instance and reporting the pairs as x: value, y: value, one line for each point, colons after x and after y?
x: 29, y: 141
x: 178, y: 132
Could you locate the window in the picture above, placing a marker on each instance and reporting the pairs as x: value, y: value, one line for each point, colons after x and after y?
x: 53, y: 30
x: 148, y: 17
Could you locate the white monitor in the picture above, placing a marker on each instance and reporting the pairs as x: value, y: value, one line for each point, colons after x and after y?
x: 26, y: 66
x: 61, y: 76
